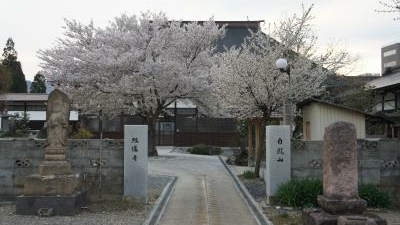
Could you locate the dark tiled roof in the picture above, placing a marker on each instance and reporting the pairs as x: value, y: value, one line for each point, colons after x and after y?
x: 236, y: 32
x: 385, y: 81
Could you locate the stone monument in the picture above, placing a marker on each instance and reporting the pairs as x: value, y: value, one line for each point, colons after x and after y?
x: 340, y: 197
x: 277, y: 171
x: 55, y: 189
x: 135, y: 162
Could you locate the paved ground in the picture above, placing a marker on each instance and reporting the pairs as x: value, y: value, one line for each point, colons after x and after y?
x: 204, y: 192
x: 391, y: 217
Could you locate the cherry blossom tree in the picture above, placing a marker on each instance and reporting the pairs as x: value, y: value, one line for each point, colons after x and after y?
x: 247, y: 83
x: 391, y: 6
x: 135, y: 65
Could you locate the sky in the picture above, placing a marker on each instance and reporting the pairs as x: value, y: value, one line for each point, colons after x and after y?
x: 36, y: 24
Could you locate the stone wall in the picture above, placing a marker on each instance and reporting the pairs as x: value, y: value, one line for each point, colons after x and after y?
x: 379, y: 162
x: 101, y: 170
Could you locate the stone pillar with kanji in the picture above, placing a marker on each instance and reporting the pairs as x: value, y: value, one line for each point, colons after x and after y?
x: 135, y: 162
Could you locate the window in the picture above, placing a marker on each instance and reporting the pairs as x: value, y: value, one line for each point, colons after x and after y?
x: 389, y: 53
x: 389, y: 105
x: 389, y: 64
x: 398, y: 101
x: 389, y: 96
x: 389, y: 101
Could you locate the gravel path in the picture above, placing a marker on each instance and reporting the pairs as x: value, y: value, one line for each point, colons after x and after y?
x: 110, y: 212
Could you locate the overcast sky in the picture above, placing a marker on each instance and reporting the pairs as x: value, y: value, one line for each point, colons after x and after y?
x: 35, y: 25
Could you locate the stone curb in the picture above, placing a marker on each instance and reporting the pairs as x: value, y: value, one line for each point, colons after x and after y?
x: 248, y: 199
x: 161, y: 203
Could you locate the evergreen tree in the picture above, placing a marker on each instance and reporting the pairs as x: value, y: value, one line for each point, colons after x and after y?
x: 38, y: 84
x: 5, y: 80
x: 18, y: 84
x: 9, y: 53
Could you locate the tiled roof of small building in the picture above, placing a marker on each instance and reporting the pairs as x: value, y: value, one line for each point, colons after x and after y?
x: 23, y: 97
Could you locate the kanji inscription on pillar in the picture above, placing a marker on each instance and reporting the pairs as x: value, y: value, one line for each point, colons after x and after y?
x: 135, y: 162
x: 277, y: 157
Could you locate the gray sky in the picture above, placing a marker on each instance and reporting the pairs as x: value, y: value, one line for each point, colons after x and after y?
x: 35, y: 25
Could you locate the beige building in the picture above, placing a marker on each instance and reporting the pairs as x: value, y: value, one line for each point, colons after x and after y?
x: 318, y: 114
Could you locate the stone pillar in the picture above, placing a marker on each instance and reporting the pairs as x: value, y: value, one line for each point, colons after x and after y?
x: 277, y: 161
x: 340, y: 179
x: 135, y: 162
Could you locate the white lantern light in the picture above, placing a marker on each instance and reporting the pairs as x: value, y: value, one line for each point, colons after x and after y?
x: 281, y: 64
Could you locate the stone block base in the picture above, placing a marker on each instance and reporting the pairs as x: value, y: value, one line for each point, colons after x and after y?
x: 335, y: 206
x: 356, y: 220
x: 319, y: 217
x: 50, y: 205
x: 54, y: 168
x: 63, y: 185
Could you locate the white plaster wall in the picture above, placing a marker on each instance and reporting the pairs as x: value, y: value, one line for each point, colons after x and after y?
x: 41, y: 115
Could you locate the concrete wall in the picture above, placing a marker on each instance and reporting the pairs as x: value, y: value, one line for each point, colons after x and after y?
x: 322, y: 115
x: 101, y: 171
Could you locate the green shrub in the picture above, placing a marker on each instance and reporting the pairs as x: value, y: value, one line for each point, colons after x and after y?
x: 375, y: 196
x: 82, y: 133
x: 249, y: 174
x: 300, y: 193
x: 17, y: 134
x: 200, y: 149
x: 303, y: 193
x: 22, y: 123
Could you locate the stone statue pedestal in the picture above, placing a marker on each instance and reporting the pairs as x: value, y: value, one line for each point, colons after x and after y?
x: 45, y: 205
x: 48, y: 168
x: 319, y: 217
x: 55, y: 194
x: 342, y: 206
x: 58, y: 193
x: 36, y: 185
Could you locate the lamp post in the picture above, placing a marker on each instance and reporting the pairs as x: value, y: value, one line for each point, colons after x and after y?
x: 284, y: 67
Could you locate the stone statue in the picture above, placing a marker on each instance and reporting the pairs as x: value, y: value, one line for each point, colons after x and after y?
x: 58, y: 106
x: 57, y: 120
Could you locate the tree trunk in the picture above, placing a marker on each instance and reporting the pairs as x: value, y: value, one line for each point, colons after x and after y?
x: 152, y: 151
x: 250, y: 159
x: 259, y: 151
